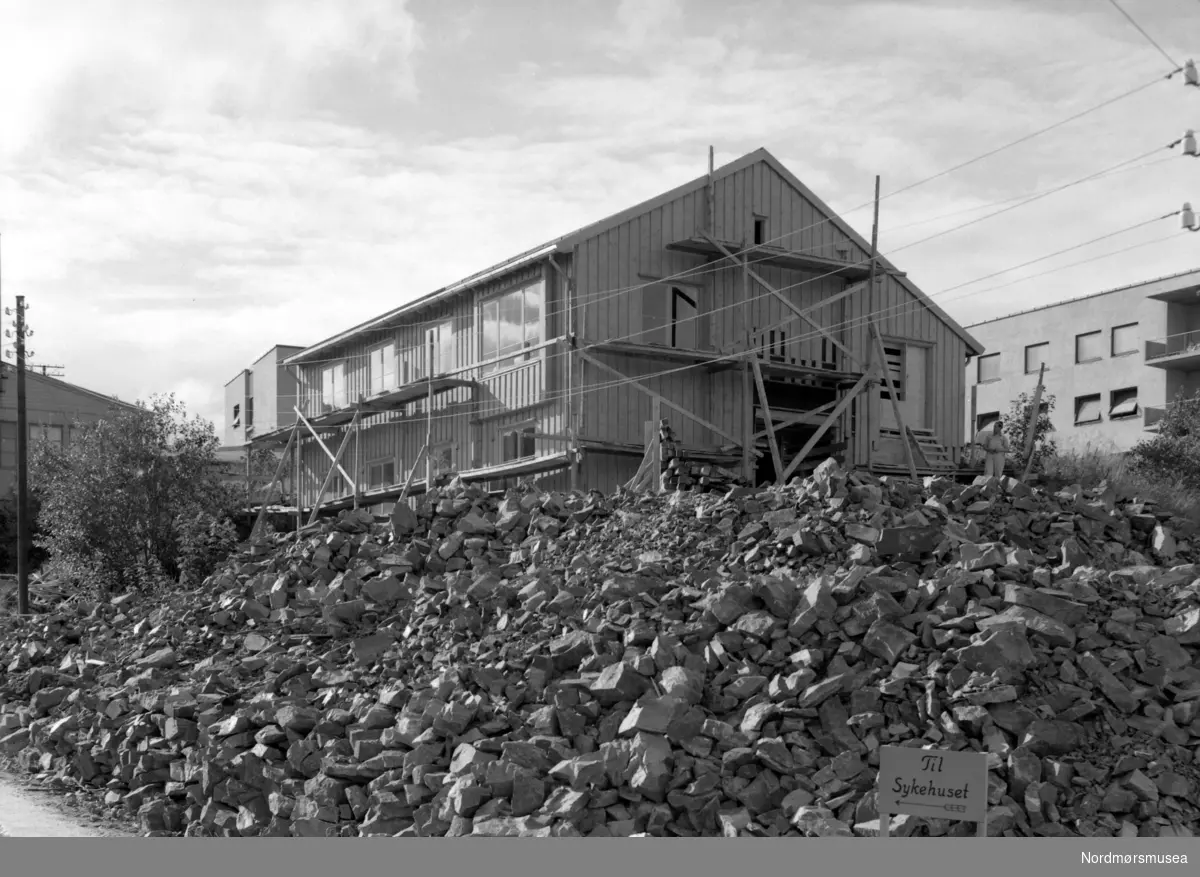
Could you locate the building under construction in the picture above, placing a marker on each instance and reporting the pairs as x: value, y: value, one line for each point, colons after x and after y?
x: 738, y: 307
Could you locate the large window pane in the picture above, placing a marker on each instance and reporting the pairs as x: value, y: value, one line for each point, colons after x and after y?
x: 989, y: 368
x: 1124, y: 339
x: 532, y: 318
x: 447, y: 361
x: 490, y: 331
x: 1035, y: 355
x: 1089, y: 346
x: 684, y: 331
x: 512, y: 333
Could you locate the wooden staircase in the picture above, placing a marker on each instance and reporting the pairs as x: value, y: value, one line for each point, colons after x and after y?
x: 933, y: 454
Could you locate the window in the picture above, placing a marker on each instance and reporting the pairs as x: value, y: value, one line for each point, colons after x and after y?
x: 894, y: 357
x: 510, y: 324
x: 52, y: 434
x: 8, y: 445
x: 333, y: 387
x: 669, y: 317
x: 1088, y: 346
x: 1124, y: 339
x: 381, y: 473
x: 760, y: 230
x: 1035, y: 356
x: 516, y: 444
x: 985, y: 421
x: 989, y: 368
x: 777, y: 345
x: 1123, y: 403
x: 250, y: 412
x: 237, y: 416
x: 382, y: 367
x: 1087, y: 409
x: 72, y: 436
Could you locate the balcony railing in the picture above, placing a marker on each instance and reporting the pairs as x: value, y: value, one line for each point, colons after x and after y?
x: 1173, y: 345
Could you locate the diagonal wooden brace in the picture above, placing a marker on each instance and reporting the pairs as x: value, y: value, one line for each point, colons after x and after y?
x: 283, y: 460
x: 350, y: 432
x: 663, y: 400
x: 800, y: 314
x: 776, y: 460
x: 824, y: 427
x: 324, y: 447
x: 793, y: 419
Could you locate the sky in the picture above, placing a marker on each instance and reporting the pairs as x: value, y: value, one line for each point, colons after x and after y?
x: 184, y: 185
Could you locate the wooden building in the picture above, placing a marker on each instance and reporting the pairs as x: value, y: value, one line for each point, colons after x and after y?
x: 53, y: 407
x: 738, y: 306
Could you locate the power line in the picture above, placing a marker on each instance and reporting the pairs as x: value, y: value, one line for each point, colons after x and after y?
x: 1174, y: 64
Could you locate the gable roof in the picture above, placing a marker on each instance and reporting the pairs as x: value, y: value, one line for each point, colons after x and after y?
x: 565, y: 243
x: 62, y: 385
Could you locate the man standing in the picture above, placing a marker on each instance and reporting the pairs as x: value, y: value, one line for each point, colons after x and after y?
x: 995, y: 449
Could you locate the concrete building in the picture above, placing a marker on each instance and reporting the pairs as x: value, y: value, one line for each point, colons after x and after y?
x: 53, y: 408
x: 1114, y: 361
x: 261, y: 398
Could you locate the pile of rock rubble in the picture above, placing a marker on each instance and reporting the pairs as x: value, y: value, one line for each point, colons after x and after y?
x: 679, y: 665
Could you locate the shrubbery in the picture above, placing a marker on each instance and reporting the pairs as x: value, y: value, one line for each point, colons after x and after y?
x: 1173, y: 453
x: 136, y: 497
x: 1016, y: 430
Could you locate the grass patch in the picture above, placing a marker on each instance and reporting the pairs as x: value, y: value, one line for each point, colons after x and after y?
x: 1089, y: 467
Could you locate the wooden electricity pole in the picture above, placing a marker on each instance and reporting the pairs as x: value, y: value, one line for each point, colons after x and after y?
x: 23, y: 522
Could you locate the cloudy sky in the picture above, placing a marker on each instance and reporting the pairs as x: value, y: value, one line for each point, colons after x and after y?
x: 183, y: 184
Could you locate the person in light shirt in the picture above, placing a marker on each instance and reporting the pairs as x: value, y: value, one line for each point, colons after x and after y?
x: 995, y: 449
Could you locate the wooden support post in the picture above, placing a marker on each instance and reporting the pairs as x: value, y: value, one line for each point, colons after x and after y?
x: 710, y: 211
x: 666, y: 403
x: 1031, y: 431
x: 412, y: 470
x: 824, y: 427
x: 869, y: 415
x: 358, y: 461
x: 350, y: 431
x: 569, y: 409
x: 428, y: 418
x: 799, y: 312
x: 656, y: 457
x: 749, y: 463
x: 776, y: 460
x: 262, y: 511
x: 891, y: 388
x: 323, y: 446
x: 297, y: 456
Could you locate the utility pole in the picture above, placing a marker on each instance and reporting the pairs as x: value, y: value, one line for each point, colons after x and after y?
x: 22, y: 468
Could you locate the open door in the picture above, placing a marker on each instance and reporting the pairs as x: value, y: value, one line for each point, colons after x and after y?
x: 908, y: 368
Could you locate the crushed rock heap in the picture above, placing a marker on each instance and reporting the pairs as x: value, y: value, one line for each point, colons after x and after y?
x: 681, y: 665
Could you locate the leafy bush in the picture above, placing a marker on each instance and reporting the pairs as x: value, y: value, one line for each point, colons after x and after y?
x: 1173, y: 453
x: 204, y: 541
x: 1016, y: 430
x: 1090, y: 467
x: 114, y: 502
x: 8, y: 534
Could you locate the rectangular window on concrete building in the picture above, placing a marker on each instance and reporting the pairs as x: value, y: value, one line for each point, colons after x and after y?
x: 1087, y: 409
x: 989, y: 368
x: 237, y: 416
x: 1035, y: 355
x: 1123, y: 403
x: 1124, y: 339
x: 1089, y: 346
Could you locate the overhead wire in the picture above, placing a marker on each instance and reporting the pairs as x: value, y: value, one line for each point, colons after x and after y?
x: 1142, y: 31
x: 681, y: 275
x: 855, y: 322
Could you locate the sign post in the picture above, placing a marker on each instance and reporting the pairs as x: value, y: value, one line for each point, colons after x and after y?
x: 934, y: 783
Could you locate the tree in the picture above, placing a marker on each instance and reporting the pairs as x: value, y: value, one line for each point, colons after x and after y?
x: 1173, y: 453
x: 1016, y: 430
x: 114, y: 505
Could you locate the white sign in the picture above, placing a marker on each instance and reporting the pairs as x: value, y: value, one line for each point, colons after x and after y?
x: 935, y: 783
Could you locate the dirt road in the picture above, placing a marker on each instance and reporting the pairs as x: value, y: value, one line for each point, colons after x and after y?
x: 25, y: 813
